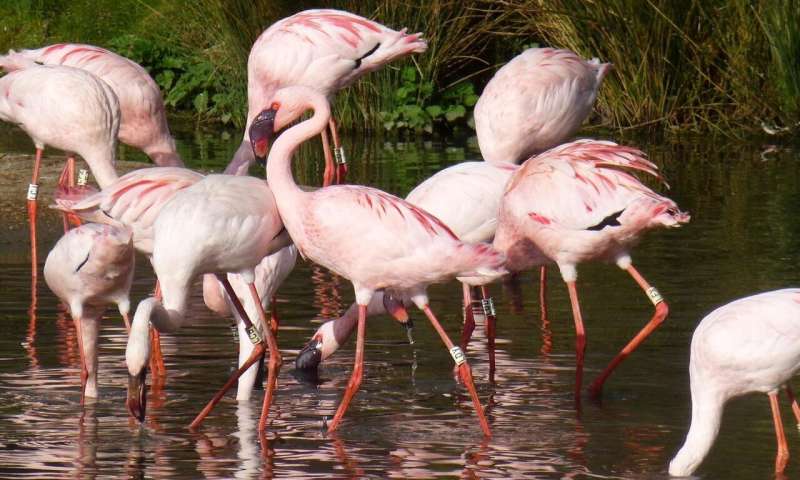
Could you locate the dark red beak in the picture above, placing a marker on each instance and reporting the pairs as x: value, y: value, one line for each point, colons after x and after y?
x: 262, y: 133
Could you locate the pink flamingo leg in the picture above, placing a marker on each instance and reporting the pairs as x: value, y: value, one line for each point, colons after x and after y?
x: 33, y: 190
x: 543, y: 293
x: 464, y: 370
x: 782, y: 458
x: 580, y: 339
x: 256, y: 354
x: 273, y: 314
x: 327, y: 176
x: 358, y: 370
x: 275, y: 360
x: 67, y: 179
x: 795, y: 407
x: 84, y: 370
x: 338, y: 153
x: 491, y: 328
x: 157, y: 358
x: 469, y: 317
x: 661, y: 311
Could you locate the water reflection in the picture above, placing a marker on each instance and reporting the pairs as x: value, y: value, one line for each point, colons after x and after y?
x: 410, y: 418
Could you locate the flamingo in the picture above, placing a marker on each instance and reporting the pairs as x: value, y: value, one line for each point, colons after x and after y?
x: 576, y: 203
x: 221, y: 224
x: 68, y: 109
x: 376, y: 240
x: 143, y: 122
x: 326, y: 50
x: 749, y: 345
x: 466, y: 197
x: 545, y: 93
x: 90, y: 267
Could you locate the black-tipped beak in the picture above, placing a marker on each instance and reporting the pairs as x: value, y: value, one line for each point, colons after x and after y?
x: 262, y: 133
x: 137, y: 395
x: 309, y: 357
x: 409, y: 331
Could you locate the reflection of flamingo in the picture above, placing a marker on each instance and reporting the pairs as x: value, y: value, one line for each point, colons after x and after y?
x: 545, y: 94
x: 326, y: 50
x: 64, y: 108
x: 143, y: 121
x: 220, y: 224
x: 375, y: 240
x: 576, y: 203
x: 88, y: 268
x: 749, y: 345
x: 466, y: 197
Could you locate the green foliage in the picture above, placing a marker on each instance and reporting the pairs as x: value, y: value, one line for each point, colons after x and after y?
x: 420, y: 108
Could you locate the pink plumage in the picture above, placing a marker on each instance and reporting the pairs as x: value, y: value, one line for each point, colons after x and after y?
x: 326, y: 50
x: 534, y: 102
x: 143, y: 118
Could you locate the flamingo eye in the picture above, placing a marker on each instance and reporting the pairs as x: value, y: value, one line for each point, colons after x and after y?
x: 275, y: 105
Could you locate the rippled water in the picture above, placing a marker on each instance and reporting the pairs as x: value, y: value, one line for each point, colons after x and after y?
x: 410, y: 419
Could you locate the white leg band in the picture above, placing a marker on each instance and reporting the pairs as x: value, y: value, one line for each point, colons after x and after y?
x: 33, y: 191
x: 458, y: 355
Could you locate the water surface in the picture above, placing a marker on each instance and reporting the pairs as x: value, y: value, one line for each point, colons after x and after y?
x: 410, y: 418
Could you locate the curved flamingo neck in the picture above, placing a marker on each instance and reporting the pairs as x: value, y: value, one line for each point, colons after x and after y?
x: 279, y: 163
x: 102, y: 168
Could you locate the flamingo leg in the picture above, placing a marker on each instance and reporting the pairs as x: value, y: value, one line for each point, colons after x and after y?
x: 33, y: 191
x: 469, y: 317
x: 67, y: 179
x: 84, y: 370
x: 580, y: 339
x: 338, y: 153
x: 543, y: 293
x: 358, y: 370
x: 661, y: 311
x: 157, y: 356
x: 327, y: 176
x: 464, y: 370
x: 795, y: 407
x: 256, y: 354
x: 491, y: 328
x: 782, y: 458
x: 273, y: 316
x: 275, y: 360
x: 127, y: 319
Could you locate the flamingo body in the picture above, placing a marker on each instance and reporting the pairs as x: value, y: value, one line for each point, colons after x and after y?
x: 749, y: 345
x: 143, y: 118
x: 65, y: 108
x: 544, y: 95
x: 90, y: 267
x: 326, y: 50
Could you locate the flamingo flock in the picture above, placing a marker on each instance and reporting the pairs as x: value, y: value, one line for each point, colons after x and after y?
x: 540, y: 198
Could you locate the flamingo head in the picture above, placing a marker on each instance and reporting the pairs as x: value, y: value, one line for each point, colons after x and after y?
x: 262, y: 133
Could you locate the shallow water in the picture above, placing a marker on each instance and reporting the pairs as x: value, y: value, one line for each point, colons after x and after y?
x: 410, y: 419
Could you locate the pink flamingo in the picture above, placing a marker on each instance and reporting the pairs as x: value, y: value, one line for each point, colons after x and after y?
x: 143, y: 122
x: 466, y: 197
x: 749, y: 345
x: 220, y: 224
x: 68, y: 109
x: 374, y: 239
x: 90, y: 267
x: 545, y: 93
x: 326, y: 50
x: 575, y: 203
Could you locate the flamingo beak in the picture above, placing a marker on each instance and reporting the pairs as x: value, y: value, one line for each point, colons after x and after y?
x: 399, y: 312
x: 137, y: 395
x: 262, y: 133
x: 310, y: 356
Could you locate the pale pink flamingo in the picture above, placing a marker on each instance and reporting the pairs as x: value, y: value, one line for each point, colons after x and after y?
x: 466, y: 197
x: 89, y: 268
x: 326, y: 50
x: 221, y: 224
x: 576, y: 203
x: 376, y: 240
x: 545, y: 94
x: 749, y: 345
x: 143, y: 122
x: 68, y: 109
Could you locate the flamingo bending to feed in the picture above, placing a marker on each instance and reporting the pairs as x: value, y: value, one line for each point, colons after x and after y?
x: 68, y: 109
x: 576, y: 203
x: 221, y: 224
x: 143, y: 122
x: 376, y: 240
x: 326, y: 50
x: 466, y: 197
x: 749, y: 345
x: 90, y: 267
x: 545, y: 93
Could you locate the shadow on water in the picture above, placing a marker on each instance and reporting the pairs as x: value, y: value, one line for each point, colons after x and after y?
x: 410, y: 419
